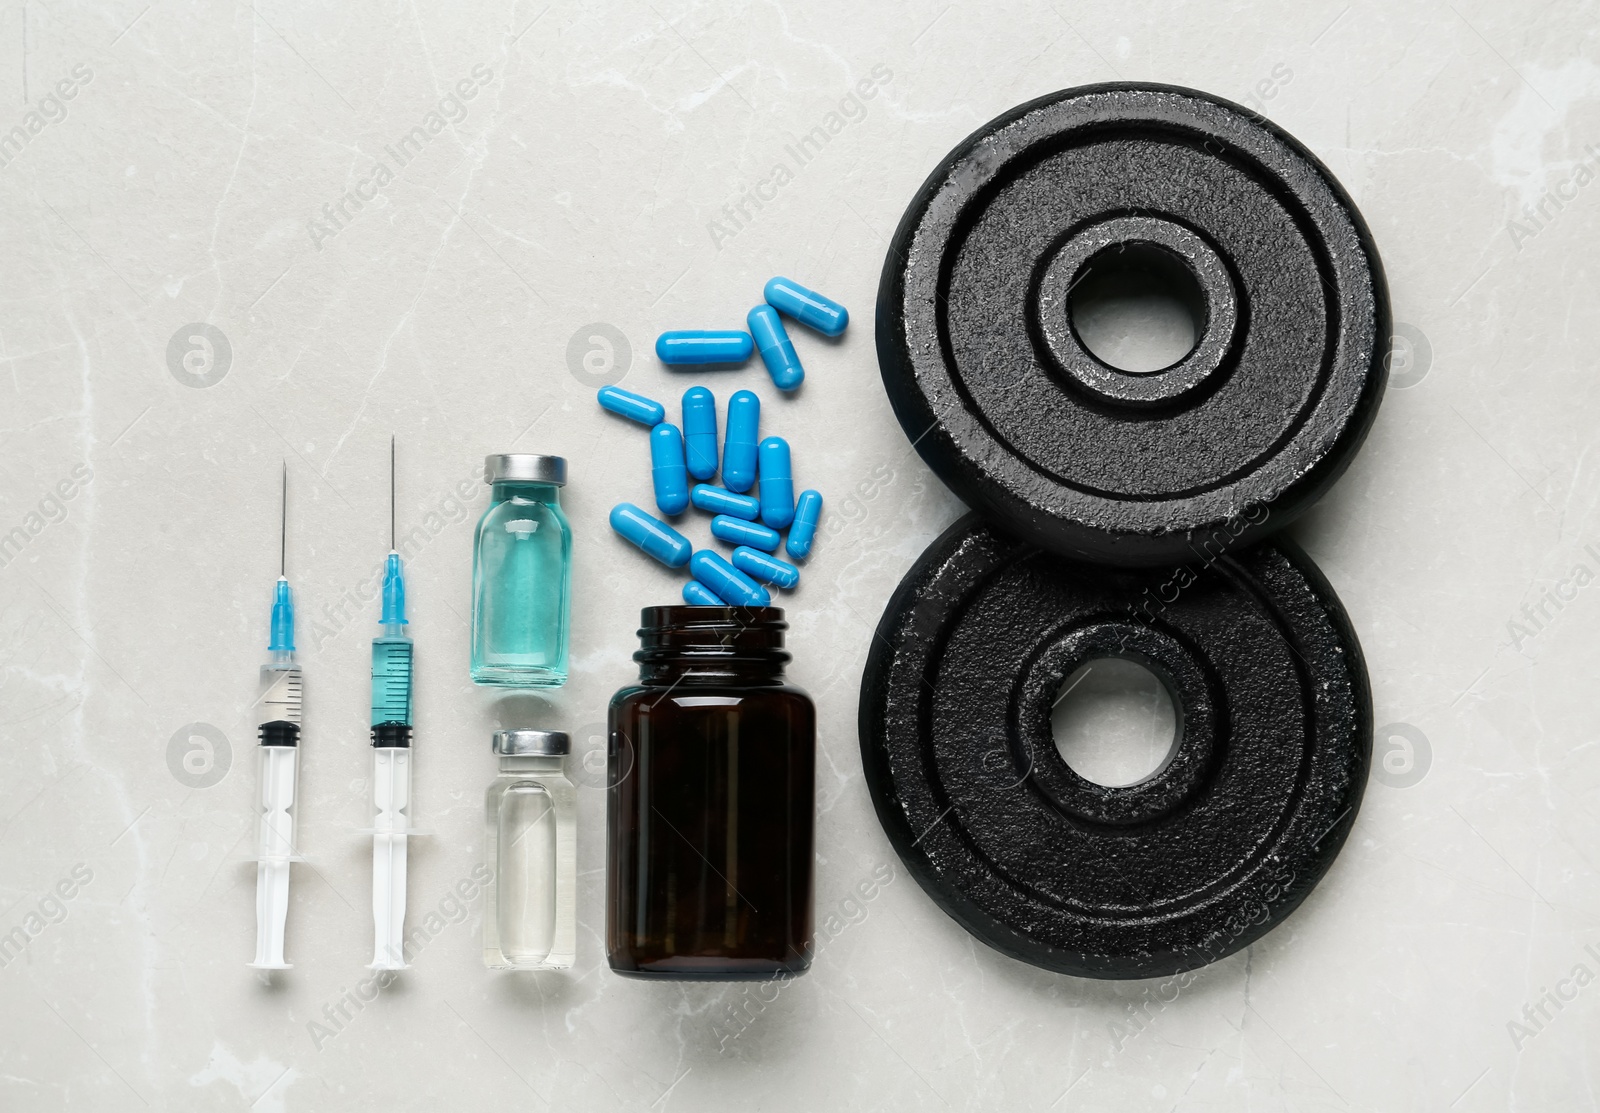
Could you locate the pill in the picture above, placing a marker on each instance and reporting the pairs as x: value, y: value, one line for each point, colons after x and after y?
x: 737, y: 531
x: 668, y: 473
x: 739, y: 450
x: 807, y: 306
x: 803, y: 530
x: 777, y: 350
x: 697, y: 594
x: 768, y: 569
x: 700, y: 431
x: 651, y: 534
x: 634, y: 407
x: 692, y: 346
x: 714, y: 500
x: 776, y: 485
x: 729, y: 584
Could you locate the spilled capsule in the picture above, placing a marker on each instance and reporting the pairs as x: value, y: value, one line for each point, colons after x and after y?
x: 768, y: 569
x: 777, y: 350
x: 698, y: 346
x: 634, y: 407
x: 715, y: 500
x: 697, y: 594
x: 651, y: 534
x: 700, y: 431
x: 803, y: 530
x: 668, y: 472
x: 739, y: 450
x: 807, y: 306
x: 776, y: 484
x: 737, y: 531
x: 729, y: 584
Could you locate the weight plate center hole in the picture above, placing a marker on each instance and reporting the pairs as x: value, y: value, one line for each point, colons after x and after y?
x: 1114, y: 722
x: 1137, y: 308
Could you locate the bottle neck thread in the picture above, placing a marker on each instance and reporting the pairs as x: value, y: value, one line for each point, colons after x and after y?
x: 742, y: 645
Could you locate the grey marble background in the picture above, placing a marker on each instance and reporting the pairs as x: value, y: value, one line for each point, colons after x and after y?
x: 177, y: 165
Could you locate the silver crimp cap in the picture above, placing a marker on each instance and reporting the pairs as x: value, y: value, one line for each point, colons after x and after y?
x: 525, y: 467
x: 532, y: 743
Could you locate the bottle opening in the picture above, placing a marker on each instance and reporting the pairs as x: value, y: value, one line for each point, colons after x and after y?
x: 685, y: 634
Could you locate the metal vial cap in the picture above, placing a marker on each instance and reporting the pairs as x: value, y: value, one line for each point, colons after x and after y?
x: 525, y: 467
x: 531, y: 743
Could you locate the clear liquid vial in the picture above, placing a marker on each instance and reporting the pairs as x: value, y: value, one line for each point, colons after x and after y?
x: 522, y: 575
x: 530, y: 912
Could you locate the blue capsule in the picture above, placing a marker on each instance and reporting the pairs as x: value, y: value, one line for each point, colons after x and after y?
x: 634, y: 407
x: 776, y: 486
x: 729, y: 584
x: 651, y: 534
x: 739, y: 450
x: 803, y: 530
x: 767, y: 569
x: 737, y: 531
x: 697, y: 594
x: 714, y: 500
x: 807, y: 306
x: 777, y: 350
x: 700, y: 431
x: 668, y: 473
x: 693, y: 346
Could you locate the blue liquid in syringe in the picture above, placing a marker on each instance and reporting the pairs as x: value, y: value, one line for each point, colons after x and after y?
x: 391, y: 680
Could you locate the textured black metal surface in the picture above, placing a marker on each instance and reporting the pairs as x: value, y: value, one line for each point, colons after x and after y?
x: 1190, y: 865
x: 991, y: 382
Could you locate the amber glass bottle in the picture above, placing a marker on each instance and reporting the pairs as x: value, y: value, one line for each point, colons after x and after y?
x: 710, y: 804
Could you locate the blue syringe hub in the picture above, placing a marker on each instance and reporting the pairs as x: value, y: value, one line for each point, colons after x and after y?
x: 282, y: 618
x: 394, y: 592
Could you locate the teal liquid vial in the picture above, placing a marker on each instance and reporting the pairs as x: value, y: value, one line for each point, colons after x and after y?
x: 522, y: 575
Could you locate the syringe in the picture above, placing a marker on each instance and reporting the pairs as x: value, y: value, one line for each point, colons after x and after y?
x: 391, y: 760
x: 280, y: 747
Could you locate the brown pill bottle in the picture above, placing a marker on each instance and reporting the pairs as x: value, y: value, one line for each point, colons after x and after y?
x: 711, y: 771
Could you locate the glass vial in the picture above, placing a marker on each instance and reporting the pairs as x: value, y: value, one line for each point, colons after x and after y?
x: 529, y: 916
x: 709, y: 808
x: 521, y: 575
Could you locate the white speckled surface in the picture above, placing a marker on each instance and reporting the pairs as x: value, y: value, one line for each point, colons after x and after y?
x: 185, y: 181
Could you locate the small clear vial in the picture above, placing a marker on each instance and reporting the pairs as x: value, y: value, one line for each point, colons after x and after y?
x: 522, y: 575
x: 530, y: 915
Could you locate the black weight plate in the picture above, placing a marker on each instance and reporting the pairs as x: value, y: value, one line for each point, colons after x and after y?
x: 1181, y: 869
x: 991, y: 381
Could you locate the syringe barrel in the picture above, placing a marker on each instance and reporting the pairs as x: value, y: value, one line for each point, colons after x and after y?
x: 280, y: 702
x: 391, y: 679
